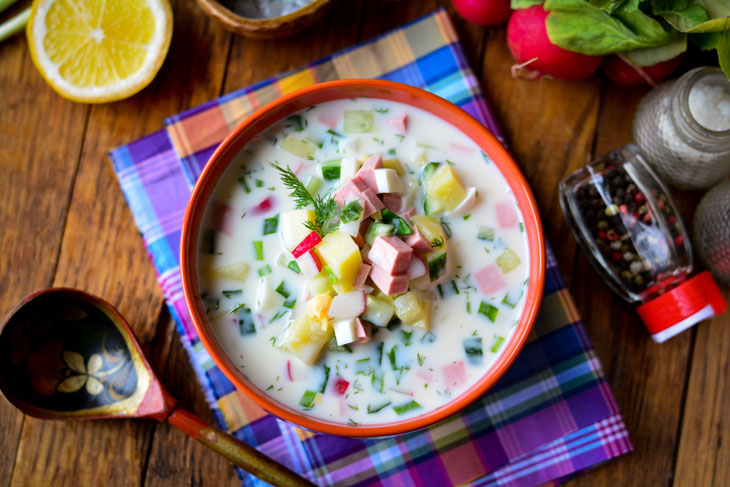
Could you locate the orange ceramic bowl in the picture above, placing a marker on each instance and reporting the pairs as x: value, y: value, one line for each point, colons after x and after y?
x: 313, y: 95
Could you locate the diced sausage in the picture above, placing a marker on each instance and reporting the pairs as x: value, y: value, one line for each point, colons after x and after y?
x: 490, y: 279
x: 393, y: 202
x: 418, y: 242
x: 391, y: 254
x: 389, y: 283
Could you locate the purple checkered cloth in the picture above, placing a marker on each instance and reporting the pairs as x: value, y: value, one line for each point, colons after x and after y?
x: 550, y: 417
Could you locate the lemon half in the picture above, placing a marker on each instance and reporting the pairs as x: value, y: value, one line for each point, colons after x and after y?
x: 95, y: 51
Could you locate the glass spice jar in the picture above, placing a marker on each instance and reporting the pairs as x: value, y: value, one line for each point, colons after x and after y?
x: 683, y: 128
x: 624, y: 220
x: 711, y: 230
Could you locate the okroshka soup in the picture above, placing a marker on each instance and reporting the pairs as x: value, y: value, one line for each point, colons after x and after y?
x: 362, y: 262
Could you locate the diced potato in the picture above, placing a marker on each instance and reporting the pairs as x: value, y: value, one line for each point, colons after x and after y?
x: 429, y: 227
x: 237, y: 272
x: 318, y: 306
x: 306, y: 336
x: 378, y: 310
x: 413, y: 311
x: 292, y: 229
x: 298, y: 147
x: 444, y: 190
x: 395, y: 165
x: 508, y: 260
x: 320, y: 284
x: 342, y: 255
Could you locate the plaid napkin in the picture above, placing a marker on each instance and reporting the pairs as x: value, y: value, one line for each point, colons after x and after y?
x: 551, y: 416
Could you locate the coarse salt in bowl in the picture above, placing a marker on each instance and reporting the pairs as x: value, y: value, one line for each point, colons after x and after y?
x: 218, y: 339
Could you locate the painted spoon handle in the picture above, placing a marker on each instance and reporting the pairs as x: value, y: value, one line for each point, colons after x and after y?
x: 241, y: 454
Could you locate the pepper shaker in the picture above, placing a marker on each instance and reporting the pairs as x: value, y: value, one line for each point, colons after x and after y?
x: 683, y: 128
x: 623, y: 218
x: 712, y: 231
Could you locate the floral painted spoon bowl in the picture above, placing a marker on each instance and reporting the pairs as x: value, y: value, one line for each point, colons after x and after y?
x: 65, y: 354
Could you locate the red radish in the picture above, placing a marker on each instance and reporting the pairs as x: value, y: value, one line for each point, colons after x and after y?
x: 347, y: 305
x: 309, y: 242
x: 625, y: 74
x: 309, y: 264
x: 483, y: 12
x: 417, y: 268
x: 265, y: 206
x: 363, y: 330
x: 341, y: 386
x: 537, y: 56
x: 288, y: 370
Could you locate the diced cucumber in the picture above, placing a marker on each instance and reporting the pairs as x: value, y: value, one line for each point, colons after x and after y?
x: 489, y: 311
x: 429, y: 170
x: 401, y: 227
x: 378, y: 229
x: 404, y: 408
x: 320, y: 284
x: 298, y: 147
x: 246, y: 325
x: 436, y: 263
x: 378, y: 310
x: 508, y: 261
x: 307, y: 400
x: 485, y: 233
x: 473, y: 349
x: 331, y: 169
x: 358, y: 121
x: 258, y: 248
x: 351, y: 212
x: 271, y: 225
x: 264, y: 270
x: 313, y: 185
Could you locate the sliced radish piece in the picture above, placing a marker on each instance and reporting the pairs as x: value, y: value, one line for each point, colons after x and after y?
x: 388, y: 181
x: 341, y: 386
x: 416, y: 268
x: 344, y: 331
x: 309, y: 264
x: 347, y: 305
x: 265, y: 206
x: 361, y: 276
x: 309, y: 242
x: 363, y: 330
x: 467, y: 204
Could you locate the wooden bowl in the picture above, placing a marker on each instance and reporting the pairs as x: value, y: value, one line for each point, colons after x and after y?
x: 271, y: 28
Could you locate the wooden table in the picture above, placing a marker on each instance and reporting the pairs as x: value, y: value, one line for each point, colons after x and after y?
x: 65, y: 223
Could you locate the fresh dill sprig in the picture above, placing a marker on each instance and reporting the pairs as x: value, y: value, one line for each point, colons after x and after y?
x: 326, y: 210
x: 437, y: 242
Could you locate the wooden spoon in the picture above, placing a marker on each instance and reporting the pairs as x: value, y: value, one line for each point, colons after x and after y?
x: 65, y: 354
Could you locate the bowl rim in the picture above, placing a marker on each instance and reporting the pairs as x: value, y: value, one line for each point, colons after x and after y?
x: 268, y: 22
x: 297, y: 100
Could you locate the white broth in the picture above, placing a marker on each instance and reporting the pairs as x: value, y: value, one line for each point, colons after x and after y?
x: 409, y: 352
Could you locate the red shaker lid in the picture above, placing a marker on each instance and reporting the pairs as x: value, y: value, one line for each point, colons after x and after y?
x: 676, y: 310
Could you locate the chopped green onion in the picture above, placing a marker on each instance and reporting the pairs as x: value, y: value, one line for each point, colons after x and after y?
x: 330, y: 274
x: 473, y: 349
x: 264, y: 270
x: 271, y: 225
x: 258, y: 247
x: 231, y: 292
x: 489, y: 311
x: 209, y: 242
x: 428, y: 337
x: 455, y: 287
x: 497, y: 343
x: 446, y: 227
x: 296, y: 121
x: 406, y: 336
x: 243, y: 182
x: 378, y: 381
x: 259, y: 183
x: 380, y: 353
x: 401, y: 227
x: 421, y: 359
x: 290, y: 303
x: 323, y: 387
x: 246, y: 326
x: 307, y: 399
x: 486, y: 233
x: 281, y: 289
x: 363, y: 367
x: 404, y: 408
x: 512, y: 298
x: 392, y: 358
x: 294, y: 266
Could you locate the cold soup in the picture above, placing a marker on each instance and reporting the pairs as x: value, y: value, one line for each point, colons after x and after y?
x: 363, y: 261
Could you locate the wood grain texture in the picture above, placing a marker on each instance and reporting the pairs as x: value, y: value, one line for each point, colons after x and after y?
x: 703, y: 456
x: 65, y: 222
x: 36, y: 180
x: 549, y: 126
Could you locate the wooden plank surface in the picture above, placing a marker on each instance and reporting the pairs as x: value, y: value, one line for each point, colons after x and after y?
x: 65, y: 222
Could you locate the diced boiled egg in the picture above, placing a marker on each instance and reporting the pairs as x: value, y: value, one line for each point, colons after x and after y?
x: 348, y: 168
x: 345, y: 331
x: 388, y: 181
